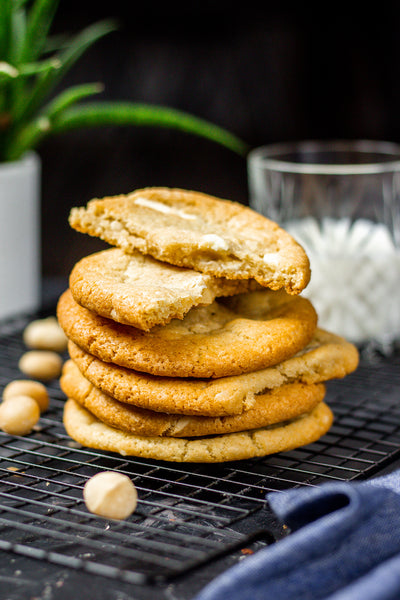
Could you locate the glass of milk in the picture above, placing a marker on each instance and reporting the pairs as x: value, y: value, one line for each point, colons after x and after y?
x: 341, y: 201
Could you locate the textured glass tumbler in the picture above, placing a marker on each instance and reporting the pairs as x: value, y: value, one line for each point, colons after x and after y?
x: 341, y: 201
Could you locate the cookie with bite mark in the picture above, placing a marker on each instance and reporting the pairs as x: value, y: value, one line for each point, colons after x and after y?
x: 138, y: 290
x: 190, y: 229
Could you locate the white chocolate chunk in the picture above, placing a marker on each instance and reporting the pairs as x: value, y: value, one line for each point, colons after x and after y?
x: 160, y: 207
x: 215, y: 242
x: 271, y: 258
x: 116, y: 226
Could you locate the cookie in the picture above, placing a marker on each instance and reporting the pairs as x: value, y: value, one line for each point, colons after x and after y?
x: 258, y: 330
x: 326, y: 357
x: 191, y: 229
x: 284, y: 403
x: 143, y: 292
x: 87, y: 430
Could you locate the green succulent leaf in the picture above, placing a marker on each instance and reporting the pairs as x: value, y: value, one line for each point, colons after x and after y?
x: 18, y: 35
x: 6, y: 16
x: 102, y: 114
x: 36, y: 68
x: 130, y: 113
x: 39, y: 20
x: 70, y: 97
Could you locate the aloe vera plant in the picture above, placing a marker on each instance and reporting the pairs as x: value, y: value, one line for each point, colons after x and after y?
x: 32, y: 65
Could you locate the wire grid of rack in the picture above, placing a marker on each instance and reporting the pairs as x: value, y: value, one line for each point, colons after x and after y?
x: 187, y: 515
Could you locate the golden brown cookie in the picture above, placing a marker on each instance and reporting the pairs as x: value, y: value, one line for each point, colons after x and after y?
x: 284, y: 403
x: 326, y: 357
x: 143, y: 292
x: 258, y: 330
x: 86, y: 429
x: 196, y: 230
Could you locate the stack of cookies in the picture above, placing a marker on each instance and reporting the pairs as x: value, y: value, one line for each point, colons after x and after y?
x: 189, y: 339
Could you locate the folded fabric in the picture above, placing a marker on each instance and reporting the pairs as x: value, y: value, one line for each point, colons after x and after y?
x: 344, y: 545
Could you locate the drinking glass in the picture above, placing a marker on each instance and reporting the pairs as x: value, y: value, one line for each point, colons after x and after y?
x: 341, y: 201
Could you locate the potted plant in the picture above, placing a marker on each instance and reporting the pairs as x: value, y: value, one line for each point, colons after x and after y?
x: 32, y: 65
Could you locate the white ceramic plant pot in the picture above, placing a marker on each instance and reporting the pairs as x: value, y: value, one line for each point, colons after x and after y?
x: 20, y: 256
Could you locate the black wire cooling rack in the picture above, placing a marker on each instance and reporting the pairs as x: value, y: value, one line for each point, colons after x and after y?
x: 187, y: 514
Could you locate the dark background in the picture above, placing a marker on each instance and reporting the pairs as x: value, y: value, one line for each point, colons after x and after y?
x: 267, y: 73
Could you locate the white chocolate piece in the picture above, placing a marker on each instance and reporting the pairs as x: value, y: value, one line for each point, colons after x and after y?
x: 111, y: 495
x: 18, y: 415
x: 45, y: 334
x: 26, y: 387
x: 215, y: 242
x: 41, y: 364
x: 164, y: 208
x: 271, y: 258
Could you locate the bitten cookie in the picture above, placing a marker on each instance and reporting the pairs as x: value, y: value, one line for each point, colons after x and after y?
x: 143, y: 292
x: 258, y: 330
x: 327, y: 356
x: 86, y: 429
x: 191, y: 229
x: 284, y: 403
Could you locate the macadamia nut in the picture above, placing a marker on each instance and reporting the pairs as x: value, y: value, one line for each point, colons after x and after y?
x: 111, y: 495
x: 41, y: 364
x: 18, y: 415
x: 26, y: 387
x: 45, y: 334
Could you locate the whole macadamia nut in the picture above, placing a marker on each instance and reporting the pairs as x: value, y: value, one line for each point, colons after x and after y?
x: 27, y: 387
x: 41, y: 364
x: 45, y: 334
x: 18, y: 415
x: 111, y: 495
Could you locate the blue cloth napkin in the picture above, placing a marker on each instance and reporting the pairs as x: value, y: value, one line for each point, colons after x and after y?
x: 344, y: 545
